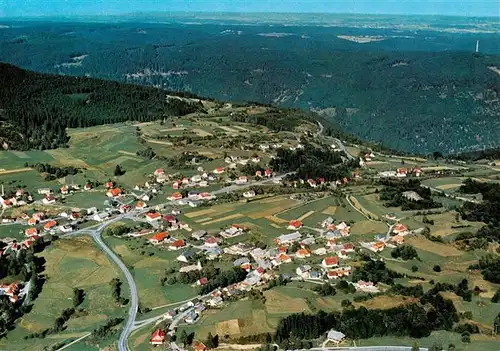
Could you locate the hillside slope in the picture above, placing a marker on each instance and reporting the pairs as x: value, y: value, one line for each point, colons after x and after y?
x: 36, y: 108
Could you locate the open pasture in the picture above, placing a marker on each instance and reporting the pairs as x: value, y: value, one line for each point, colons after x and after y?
x: 69, y: 264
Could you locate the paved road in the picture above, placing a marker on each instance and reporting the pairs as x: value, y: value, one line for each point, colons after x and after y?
x: 336, y: 140
x: 134, y: 300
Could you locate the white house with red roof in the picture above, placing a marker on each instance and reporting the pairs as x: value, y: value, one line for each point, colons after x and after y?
x: 417, y: 171
x: 49, y: 200
x: 242, y: 180
x: 212, y: 242
x: 295, y: 224
x: 109, y: 185
x: 268, y: 173
x: 153, y: 216
x: 219, y: 170
x: 159, y: 171
x: 158, y: 337
x: 177, y: 245
x: 400, y: 229
x: 175, y: 196
x: 311, y: 182
x: 329, y: 262
x: 401, y: 172
x: 176, y: 185
x: 87, y: 187
x: 158, y: 238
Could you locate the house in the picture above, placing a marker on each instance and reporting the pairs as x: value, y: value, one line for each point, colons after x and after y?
x: 329, y: 262
x: 64, y: 190
x: 219, y: 170
x: 175, y: 196
x: 202, y: 281
x: 177, y: 245
x: 158, y: 337
x: 49, y: 225
x: 31, y: 231
x: 87, y: 187
x: 268, y: 173
x: 199, y: 234
x: 176, y: 185
x: 199, y: 346
x: 284, y: 258
x: 32, y: 221
x: 258, y: 173
x: 417, y: 171
x: 191, y: 318
x: 242, y: 180
x: 114, y: 192
x: 311, y: 182
x: 109, y: 185
x: 203, y: 184
x: 193, y: 195
x: 212, y: 242
x: 294, y: 225
x: 158, y: 238
x: 212, y: 253
x: 193, y: 203
x: 206, y: 196
x: 398, y: 239
x: 401, y: 172
x: 241, y: 261
x: 170, y: 219
x: 365, y: 286
x: 412, y: 196
x: 249, y: 194
x: 231, y: 232
x: 100, y: 216
x: 320, y: 251
x: 153, y: 216
x: 303, y: 271
x: 65, y: 228
x: 20, y: 192
x: 191, y: 268
x: 288, y: 238
x: 196, y: 178
x: 303, y: 253
x: 377, y: 247
x: 400, y: 229
x: 140, y: 205
x: 158, y: 172
x: 348, y: 247
x: 124, y: 208
x: 44, y: 191
x: 255, y: 159
x: 49, y: 199
x: 91, y: 210
x: 335, y: 336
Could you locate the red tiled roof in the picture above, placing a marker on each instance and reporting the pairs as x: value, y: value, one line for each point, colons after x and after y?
x: 159, y: 236
x: 178, y: 243
x: 331, y: 261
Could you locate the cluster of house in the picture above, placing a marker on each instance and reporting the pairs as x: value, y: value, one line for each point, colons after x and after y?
x: 399, y: 231
x: 193, y: 198
x: 18, y: 199
x: 401, y: 173
x: 13, y: 291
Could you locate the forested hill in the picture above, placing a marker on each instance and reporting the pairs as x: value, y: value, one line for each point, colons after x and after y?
x: 36, y: 109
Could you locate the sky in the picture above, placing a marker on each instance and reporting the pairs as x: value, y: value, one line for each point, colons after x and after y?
x: 20, y: 8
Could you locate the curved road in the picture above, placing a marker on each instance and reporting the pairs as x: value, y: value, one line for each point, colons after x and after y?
x: 134, y: 300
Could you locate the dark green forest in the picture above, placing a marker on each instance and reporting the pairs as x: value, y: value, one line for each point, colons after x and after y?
x: 419, y: 91
x: 36, y: 109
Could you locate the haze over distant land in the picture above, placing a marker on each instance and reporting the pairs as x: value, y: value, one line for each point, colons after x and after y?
x: 30, y: 8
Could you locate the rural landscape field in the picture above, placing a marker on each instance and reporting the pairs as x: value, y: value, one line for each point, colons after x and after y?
x: 334, y: 186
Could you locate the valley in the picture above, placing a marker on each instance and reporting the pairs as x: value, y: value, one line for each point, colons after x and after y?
x: 181, y: 200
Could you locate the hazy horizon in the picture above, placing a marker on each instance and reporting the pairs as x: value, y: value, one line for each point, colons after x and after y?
x: 75, y: 8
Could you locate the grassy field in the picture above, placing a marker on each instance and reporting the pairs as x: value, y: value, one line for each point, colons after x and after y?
x: 69, y: 264
x: 147, y: 271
